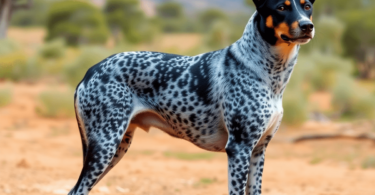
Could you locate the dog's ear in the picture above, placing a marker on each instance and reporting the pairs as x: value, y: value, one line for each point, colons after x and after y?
x: 259, y: 3
x: 312, y: 1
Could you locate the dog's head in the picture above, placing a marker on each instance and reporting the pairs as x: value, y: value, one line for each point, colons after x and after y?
x: 285, y: 21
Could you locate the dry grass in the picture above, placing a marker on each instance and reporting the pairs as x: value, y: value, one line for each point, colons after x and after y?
x: 56, y: 104
x: 5, y: 96
x: 190, y: 156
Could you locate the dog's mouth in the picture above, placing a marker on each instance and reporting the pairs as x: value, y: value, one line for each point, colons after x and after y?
x: 302, y: 39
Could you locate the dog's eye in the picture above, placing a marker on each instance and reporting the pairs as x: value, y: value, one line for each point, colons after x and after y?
x: 307, y: 7
x: 281, y: 8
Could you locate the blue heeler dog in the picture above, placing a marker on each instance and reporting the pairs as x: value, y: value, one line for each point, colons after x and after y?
x: 226, y: 101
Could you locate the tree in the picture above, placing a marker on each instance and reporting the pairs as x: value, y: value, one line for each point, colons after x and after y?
x: 7, y: 7
x: 34, y: 16
x: 172, y: 16
x: 337, y: 7
x: 77, y: 22
x: 328, y: 36
x: 359, y: 40
x: 211, y: 16
x: 126, y: 17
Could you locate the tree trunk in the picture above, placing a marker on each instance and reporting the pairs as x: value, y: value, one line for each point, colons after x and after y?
x: 6, y: 9
x: 5, y: 13
x: 366, y: 67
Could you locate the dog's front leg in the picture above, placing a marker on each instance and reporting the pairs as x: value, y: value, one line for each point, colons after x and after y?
x: 254, y: 182
x: 245, y: 130
x: 238, y: 167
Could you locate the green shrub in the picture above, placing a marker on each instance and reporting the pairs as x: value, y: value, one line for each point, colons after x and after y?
x: 295, y: 106
x: 295, y: 102
x: 351, y: 100
x: 369, y: 162
x: 171, y: 16
x: 5, y: 97
x: 50, y: 58
x: 7, y: 46
x: 55, y: 103
x: 13, y: 62
x: 75, y: 71
x: 53, y: 49
x: 300, y: 77
x: 218, y: 36
x: 209, y: 17
x: 77, y: 22
x: 35, y: 15
x: 328, y: 36
x: 318, y: 71
x: 126, y: 19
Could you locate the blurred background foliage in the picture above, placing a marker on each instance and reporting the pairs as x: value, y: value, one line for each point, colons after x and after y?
x: 337, y: 66
x: 77, y: 22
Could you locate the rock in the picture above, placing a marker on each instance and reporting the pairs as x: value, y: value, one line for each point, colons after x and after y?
x: 122, y: 190
x: 23, y: 164
x: 7, y: 191
x: 104, y: 189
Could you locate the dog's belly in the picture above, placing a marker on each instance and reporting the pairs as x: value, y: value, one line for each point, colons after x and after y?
x: 211, y: 138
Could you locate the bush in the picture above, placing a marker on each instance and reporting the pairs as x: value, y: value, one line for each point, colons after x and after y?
x: 369, y: 162
x: 351, y: 100
x: 77, y: 22
x: 219, y: 36
x: 125, y: 18
x: 323, y: 70
x: 54, y: 103
x: 209, y: 17
x: 5, y: 97
x: 50, y: 58
x: 295, y: 106
x: 221, y: 32
x: 171, y: 16
x: 328, y: 36
x: 13, y: 62
x: 33, y: 16
x: 359, y: 37
x: 53, y: 49
x: 75, y: 71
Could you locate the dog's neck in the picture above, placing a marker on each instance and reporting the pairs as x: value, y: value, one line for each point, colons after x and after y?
x: 274, y: 63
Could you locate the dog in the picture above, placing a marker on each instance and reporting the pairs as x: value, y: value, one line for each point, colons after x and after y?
x: 228, y: 100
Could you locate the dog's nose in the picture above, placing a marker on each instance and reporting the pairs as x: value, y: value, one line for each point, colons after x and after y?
x: 306, y: 26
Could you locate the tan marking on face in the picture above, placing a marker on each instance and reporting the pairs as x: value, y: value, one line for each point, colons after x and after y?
x: 287, y: 3
x: 282, y: 29
x: 303, y: 1
x: 285, y: 48
x: 295, y: 25
x: 269, y: 22
x: 311, y: 18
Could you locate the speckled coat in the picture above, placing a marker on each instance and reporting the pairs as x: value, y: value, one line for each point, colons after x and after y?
x: 228, y: 100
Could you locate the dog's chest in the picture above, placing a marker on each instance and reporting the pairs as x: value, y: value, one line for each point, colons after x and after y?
x: 276, y: 116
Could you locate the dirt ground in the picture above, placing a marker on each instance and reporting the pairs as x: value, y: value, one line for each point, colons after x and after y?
x: 43, y: 156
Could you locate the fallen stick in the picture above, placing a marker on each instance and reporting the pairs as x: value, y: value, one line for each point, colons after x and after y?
x: 332, y: 136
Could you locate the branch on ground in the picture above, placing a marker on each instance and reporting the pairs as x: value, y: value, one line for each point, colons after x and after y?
x: 333, y: 136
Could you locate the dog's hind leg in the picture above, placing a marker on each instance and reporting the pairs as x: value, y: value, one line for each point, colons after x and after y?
x: 121, y: 150
x: 107, y: 132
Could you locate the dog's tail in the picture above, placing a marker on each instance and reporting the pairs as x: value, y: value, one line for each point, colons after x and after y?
x: 81, y: 127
